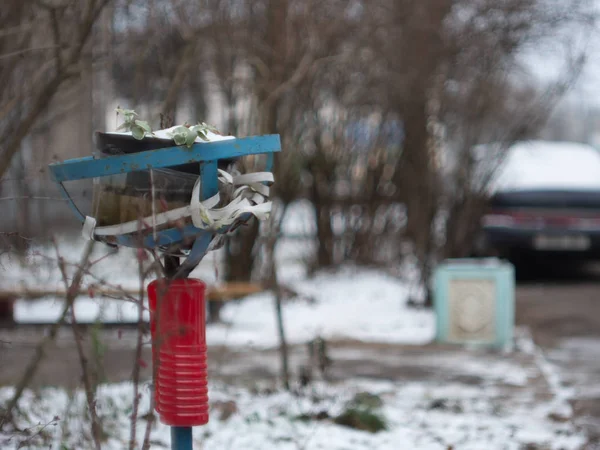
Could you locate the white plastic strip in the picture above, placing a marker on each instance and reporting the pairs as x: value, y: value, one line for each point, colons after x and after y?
x: 160, y: 219
x: 251, y: 178
x: 89, y: 226
x: 249, y: 197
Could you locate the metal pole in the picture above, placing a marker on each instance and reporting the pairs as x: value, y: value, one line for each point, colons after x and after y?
x: 181, y: 438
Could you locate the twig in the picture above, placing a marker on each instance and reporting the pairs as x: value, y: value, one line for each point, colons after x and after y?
x: 72, y: 291
x: 28, y: 440
x: 149, y: 425
x: 178, y: 78
x: 272, y: 283
x: 29, y: 197
x: 16, y: 29
x: 44, y: 96
x: 40, y: 350
x: 40, y: 353
x: 223, y: 293
x: 27, y: 50
x: 54, y: 21
x: 138, y: 356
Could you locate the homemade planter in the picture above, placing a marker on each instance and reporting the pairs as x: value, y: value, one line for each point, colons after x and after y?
x: 177, y: 200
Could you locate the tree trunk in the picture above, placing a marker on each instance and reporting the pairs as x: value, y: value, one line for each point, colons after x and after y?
x: 422, y: 50
x: 7, y: 311
x: 415, y: 177
x: 276, y: 38
x: 325, y: 236
x: 239, y: 261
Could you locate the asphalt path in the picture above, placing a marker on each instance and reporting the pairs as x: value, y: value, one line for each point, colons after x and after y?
x: 560, y: 304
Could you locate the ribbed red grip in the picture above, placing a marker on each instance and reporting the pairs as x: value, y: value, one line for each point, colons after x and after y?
x: 177, y: 324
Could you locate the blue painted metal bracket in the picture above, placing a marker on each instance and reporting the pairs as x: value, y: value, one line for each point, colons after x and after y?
x: 90, y: 167
x: 209, y: 187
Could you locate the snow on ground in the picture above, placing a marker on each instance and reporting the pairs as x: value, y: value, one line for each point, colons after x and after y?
x: 39, y: 268
x: 431, y: 413
x: 417, y: 415
x: 352, y: 303
x: 358, y: 304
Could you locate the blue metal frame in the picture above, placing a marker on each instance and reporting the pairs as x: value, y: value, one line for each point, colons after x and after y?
x: 90, y: 167
x: 207, y: 154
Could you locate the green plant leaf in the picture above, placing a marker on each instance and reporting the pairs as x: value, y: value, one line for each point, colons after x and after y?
x: 179, y: 135
x: 144, y: 125
x: 210, y: 128
x: 361, y: 419
x: 137, y: 132
x: 199, y: 131
x: 126, y: 112
x: 179, y: 139
x: 190, y: 138
x: 124, y: 126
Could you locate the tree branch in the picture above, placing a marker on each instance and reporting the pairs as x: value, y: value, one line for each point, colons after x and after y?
x: 49, y: 90
x: 40, y: 351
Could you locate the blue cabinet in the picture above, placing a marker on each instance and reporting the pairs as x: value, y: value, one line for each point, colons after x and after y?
x: 474, y: 301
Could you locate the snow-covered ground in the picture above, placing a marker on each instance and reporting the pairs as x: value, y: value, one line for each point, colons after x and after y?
x: 503, y: 411
x: 417, y: 416
x: 462, y: 399
x: 362, y: 305
x: 464, y: 403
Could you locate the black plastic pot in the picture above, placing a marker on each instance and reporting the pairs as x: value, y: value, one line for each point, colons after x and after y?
x: 119, y: 144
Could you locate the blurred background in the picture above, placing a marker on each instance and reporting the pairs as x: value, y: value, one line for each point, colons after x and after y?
x: 379, y: 104
x: 412, y: 132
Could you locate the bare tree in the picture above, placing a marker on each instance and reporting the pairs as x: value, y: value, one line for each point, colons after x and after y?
x: 492, y: 99
x: 447, y: 67
x: 42, y: 45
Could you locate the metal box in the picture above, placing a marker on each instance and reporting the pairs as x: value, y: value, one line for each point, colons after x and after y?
x: 474, y: 301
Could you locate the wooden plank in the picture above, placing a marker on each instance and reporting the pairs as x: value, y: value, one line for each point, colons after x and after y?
x: 221, y: 293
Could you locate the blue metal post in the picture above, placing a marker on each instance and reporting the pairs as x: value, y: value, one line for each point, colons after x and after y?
x: 181, y: 438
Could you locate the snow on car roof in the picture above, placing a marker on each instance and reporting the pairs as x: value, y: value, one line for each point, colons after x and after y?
x: 549, y: 165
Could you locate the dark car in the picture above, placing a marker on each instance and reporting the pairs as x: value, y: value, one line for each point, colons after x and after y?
x: 566, y: 222
x: 547, y: 202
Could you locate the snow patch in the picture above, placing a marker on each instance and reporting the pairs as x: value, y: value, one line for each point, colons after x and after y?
x: 167, y: 134
x: 418, y: 415
x: 355, y: 304
x: 352, y: 303
x: 549, y: 165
